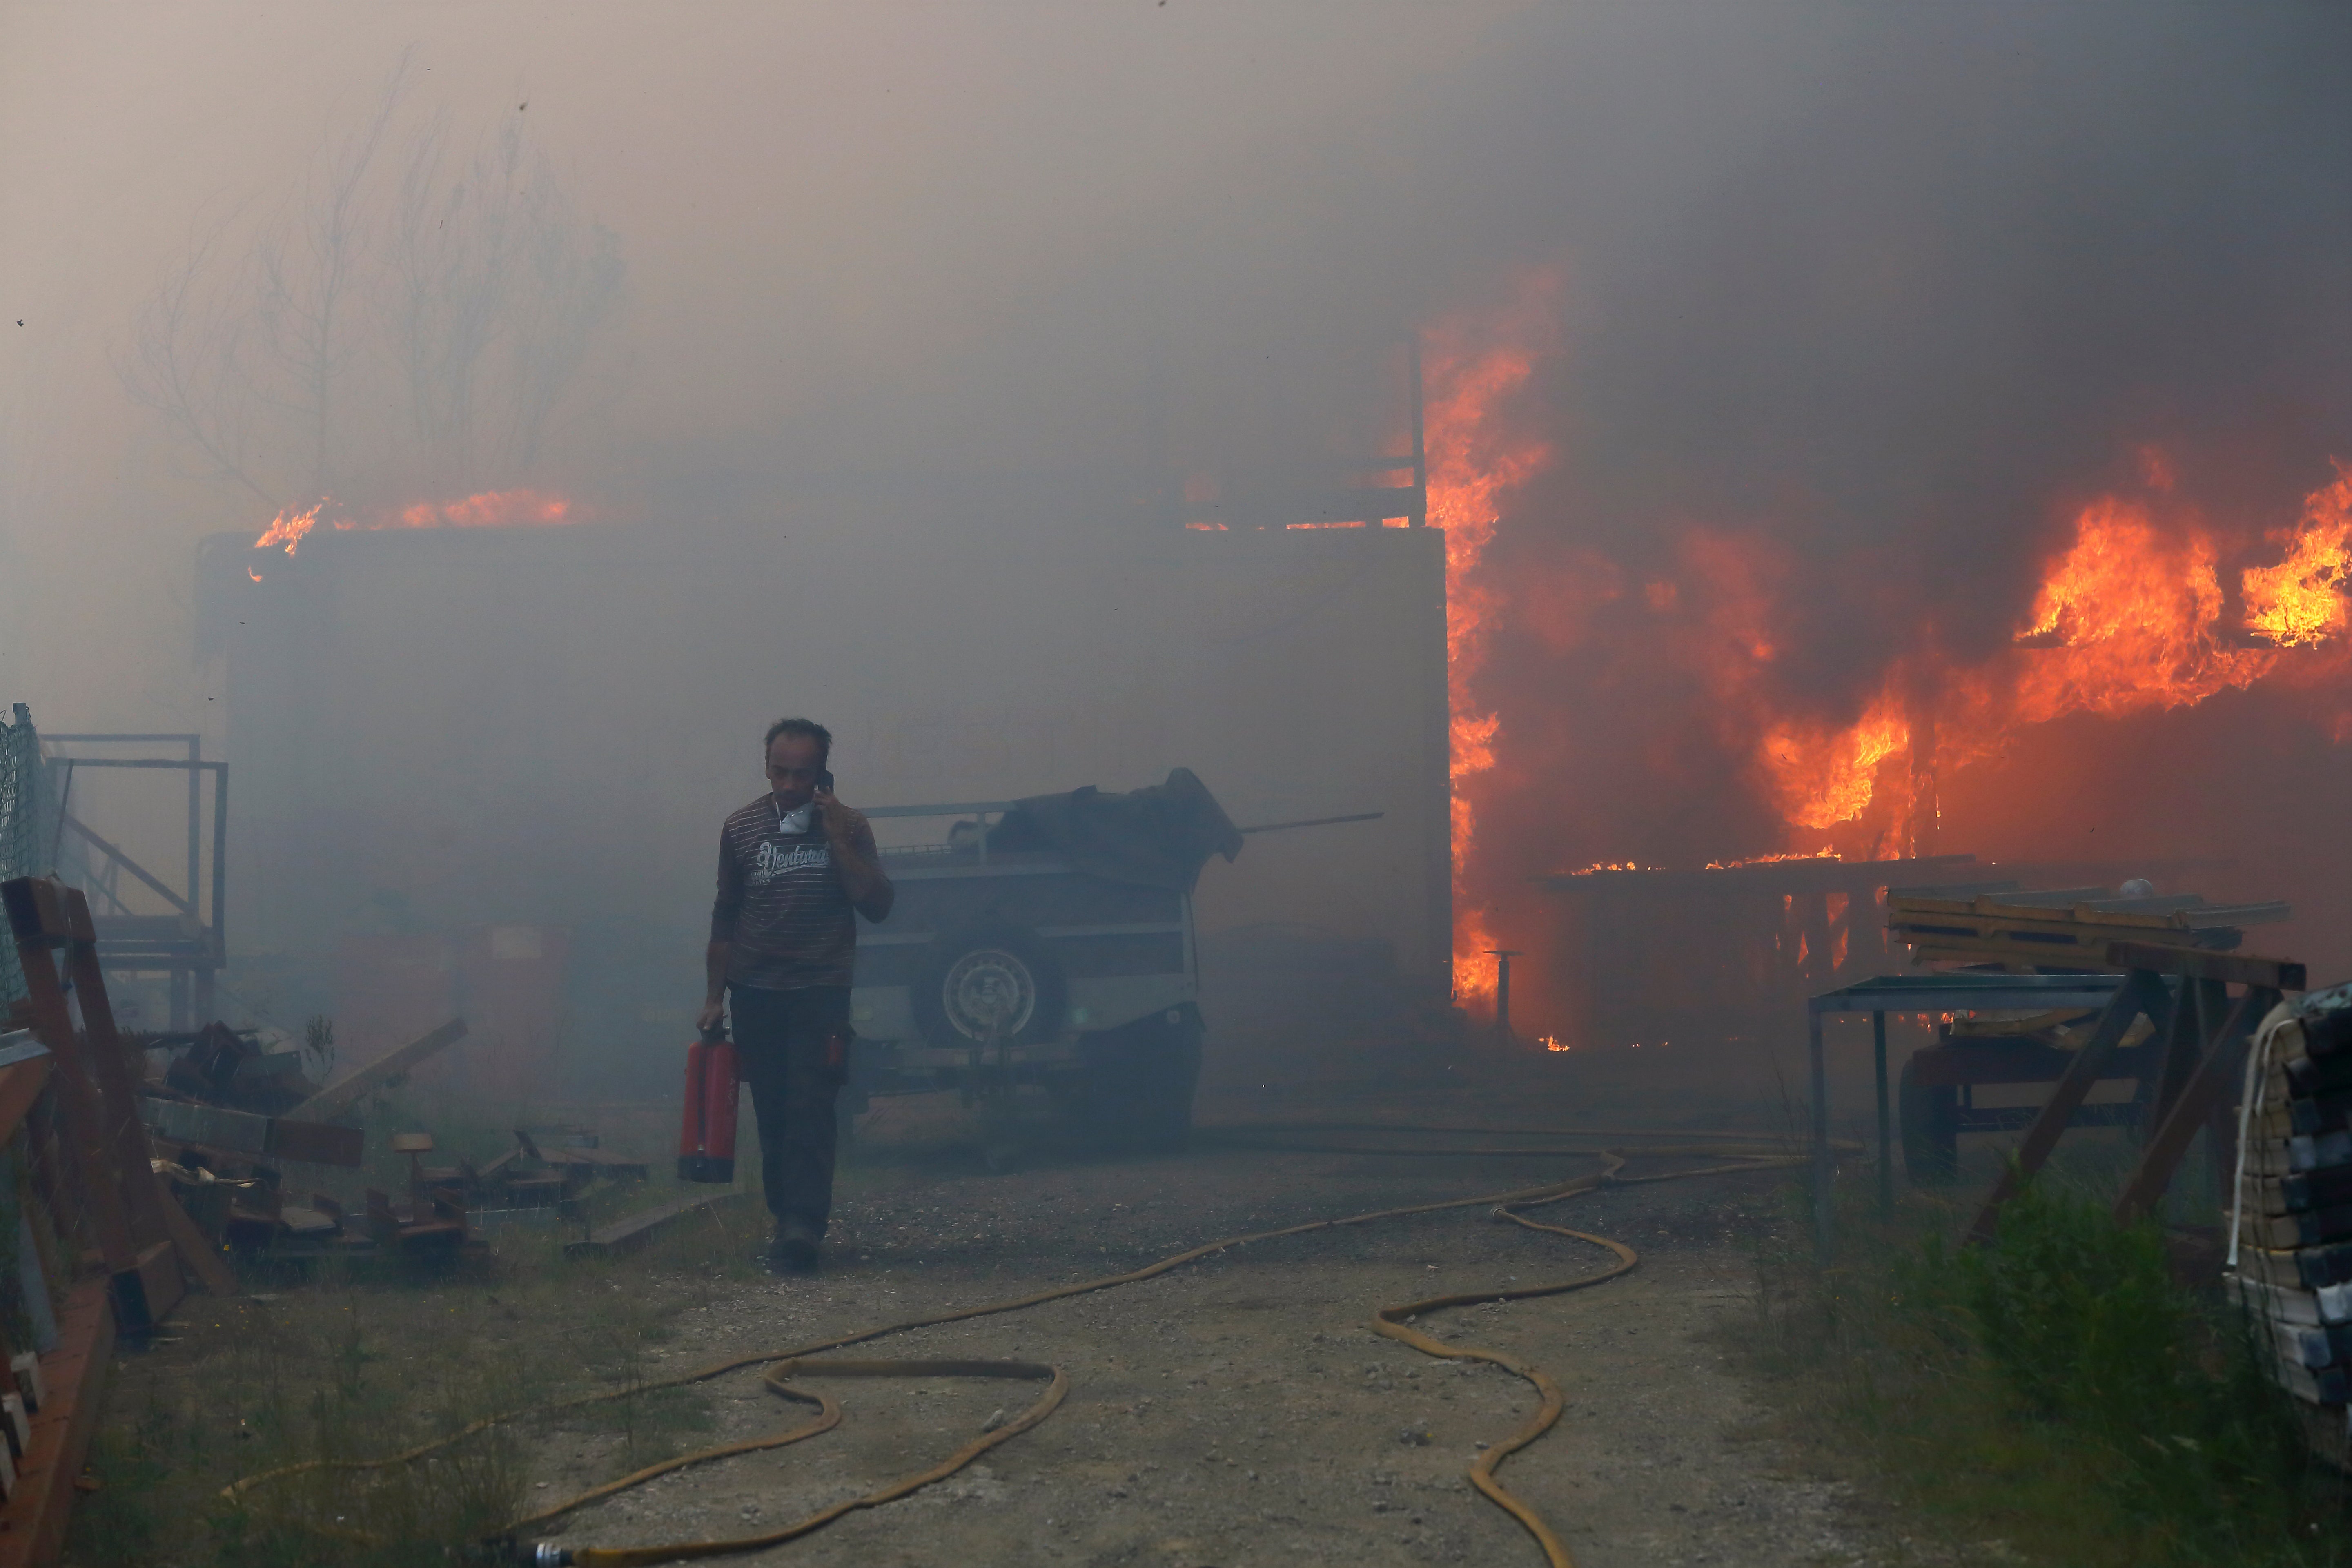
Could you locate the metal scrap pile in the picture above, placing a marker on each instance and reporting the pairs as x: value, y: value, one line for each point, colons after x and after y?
x: 550, y: 1175
x: 218, y: 1119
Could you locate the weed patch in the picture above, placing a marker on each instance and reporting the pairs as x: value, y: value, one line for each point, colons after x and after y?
x: 2056, y: 1390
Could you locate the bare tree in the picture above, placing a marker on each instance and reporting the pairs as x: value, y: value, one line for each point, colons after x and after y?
x: 302, y: 297
x: 470, y: 281
x: 188, y: 363
x: 503, y: 290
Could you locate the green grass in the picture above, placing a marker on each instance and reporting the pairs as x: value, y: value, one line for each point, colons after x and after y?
x: 343, y: 1361
x: 2056, y: 1391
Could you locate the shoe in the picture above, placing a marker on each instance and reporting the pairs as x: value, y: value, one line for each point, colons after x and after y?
x: 794, y: 1251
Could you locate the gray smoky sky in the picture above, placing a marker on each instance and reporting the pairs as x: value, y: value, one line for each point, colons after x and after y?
x: 1886, y: 279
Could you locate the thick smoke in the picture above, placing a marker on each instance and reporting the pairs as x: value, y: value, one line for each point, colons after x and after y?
x: 1856, y: 305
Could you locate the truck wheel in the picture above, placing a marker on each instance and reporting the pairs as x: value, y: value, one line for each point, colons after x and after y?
x: 1139, y: 1079
x: 1930, y: 1117
x: 997, y: 976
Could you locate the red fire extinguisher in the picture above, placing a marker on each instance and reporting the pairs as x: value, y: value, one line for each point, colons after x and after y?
x: 706, y: 1144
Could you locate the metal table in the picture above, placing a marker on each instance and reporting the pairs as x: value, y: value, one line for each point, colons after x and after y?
x: 1885, y: 993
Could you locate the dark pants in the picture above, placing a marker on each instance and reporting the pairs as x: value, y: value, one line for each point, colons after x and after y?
x: 793, y: 1050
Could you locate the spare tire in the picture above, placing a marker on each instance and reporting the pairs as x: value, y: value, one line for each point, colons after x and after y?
x: 997, y: 979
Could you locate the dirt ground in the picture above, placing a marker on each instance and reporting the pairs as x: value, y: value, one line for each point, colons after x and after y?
x: 1235, y: 1412
x: 1240, y: 1411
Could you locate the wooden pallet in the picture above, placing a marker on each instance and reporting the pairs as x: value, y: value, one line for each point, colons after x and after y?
x: 1984, y: 930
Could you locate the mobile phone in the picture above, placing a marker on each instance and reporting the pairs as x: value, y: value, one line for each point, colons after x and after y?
x: 824, y: 779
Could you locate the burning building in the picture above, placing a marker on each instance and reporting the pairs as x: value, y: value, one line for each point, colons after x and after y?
x: 483, y: 750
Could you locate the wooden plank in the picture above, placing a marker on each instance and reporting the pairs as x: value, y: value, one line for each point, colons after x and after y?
x: 1997, y: 950
x: 110, y: 1070
x: 202, y: 1259
x: 37, y: 918
x: 340, y: 1096
x: 2131, y: 999
x: 636, y: 1231
x: 255, y: 1137
x: 20, y: 1085
x: 2020, y: 1029
x: 2198, y: 1007
x: 2215, y: 1076
x: 1985, y: 913
x: 2231, y: 968
x: 36, y: 914
x: 33, y: 1522
x: 145, y: 1295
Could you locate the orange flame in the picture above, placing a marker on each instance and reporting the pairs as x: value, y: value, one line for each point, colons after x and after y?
x: 2128, y: 618
x: 1823, y: 853
x: 289, y: 528
x: 491, y: 509
x: 1471, y: 365
x: 2299, y: 603
x: 1821, y: 777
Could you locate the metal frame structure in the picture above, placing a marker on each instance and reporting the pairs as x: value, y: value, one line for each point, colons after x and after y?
x: 2183, y: 993
x: 185, y: 945
x: 1917, y: 993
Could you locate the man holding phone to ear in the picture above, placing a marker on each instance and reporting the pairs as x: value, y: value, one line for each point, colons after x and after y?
x: 795, y: 870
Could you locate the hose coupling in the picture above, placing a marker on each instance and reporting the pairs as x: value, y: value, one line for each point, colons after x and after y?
x: 547, y: 1554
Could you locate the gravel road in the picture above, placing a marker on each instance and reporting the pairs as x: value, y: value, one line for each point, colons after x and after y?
x: 1240, y: 1411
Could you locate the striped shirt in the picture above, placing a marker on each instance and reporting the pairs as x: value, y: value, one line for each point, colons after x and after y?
x: 781, y: 905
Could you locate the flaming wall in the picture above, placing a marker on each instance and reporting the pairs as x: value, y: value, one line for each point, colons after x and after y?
x: 435, y: 730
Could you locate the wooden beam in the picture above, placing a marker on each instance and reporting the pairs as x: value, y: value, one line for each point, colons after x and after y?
x: 110, y: 1071
x: 2232, y: 968
x: 337, y: 1097
x: 20, y: 1085
x: 156, y: 1214
x: 2199, y: 1007
x: 37, y: 918
x: 245, y: 1132
x: 202, y: 1259
x: 2131, y: 999
x: 33, y: 1521
x: 2216, y: 1075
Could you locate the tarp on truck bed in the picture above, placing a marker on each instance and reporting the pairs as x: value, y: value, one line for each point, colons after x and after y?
x: 1160, y: 836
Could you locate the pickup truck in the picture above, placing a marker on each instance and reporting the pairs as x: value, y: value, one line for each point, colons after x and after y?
x: 1046, y: 942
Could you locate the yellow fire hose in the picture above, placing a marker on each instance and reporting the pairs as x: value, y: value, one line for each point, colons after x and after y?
x: 785, y: 1365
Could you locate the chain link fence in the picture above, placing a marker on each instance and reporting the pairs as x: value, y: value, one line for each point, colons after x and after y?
x: 23, y: 811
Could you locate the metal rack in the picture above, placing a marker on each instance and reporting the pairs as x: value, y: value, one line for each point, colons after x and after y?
x: 190, y: 945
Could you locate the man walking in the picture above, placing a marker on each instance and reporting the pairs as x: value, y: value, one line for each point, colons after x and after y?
x: 792, y: 867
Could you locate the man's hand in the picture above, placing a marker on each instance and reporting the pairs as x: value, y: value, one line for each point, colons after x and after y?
x: 708, y: 1022
x: 851, y: 838
x: 840, y: 822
